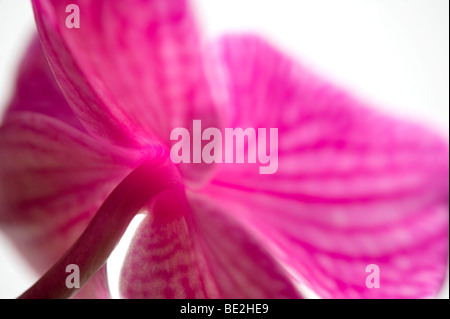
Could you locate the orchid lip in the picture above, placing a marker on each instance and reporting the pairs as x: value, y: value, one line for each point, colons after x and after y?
x: 92, y: 249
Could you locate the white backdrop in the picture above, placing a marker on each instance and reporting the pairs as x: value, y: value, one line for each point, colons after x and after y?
x: 391, y: 52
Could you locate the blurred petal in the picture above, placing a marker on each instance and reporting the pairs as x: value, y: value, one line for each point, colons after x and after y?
x: 93, y: 247
x: 242, y: 268
x: 353, y: 187
x: 53, y: 178
x: 36, y: 88
x: 133, y: 70
x: 163, y: 261
x: 208, y: 256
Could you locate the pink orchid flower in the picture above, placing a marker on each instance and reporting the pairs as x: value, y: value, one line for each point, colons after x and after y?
x: 85, y: 146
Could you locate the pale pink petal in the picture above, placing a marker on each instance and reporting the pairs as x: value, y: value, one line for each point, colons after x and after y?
x: 133, y: 70
x: 53, y: 178
x: 353, y: 187
x: 204, y: 255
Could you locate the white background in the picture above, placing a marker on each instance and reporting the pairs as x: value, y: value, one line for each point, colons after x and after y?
x: 394, y: 53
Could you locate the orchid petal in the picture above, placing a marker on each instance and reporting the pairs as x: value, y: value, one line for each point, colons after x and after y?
x: 37, y: 91
x: 179, y: 254
x: 240, y: 265
x: 132, y: 71
x: 162, y: 260
x: 353, y: 187
x: 96, y: 243
x: 53, y: 179
x: 36, y: 88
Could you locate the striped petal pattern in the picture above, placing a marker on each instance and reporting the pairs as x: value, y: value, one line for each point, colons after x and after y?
x: 54, y: 178
x: 353, y: 187
x: 133, y: 70
x: 194, y: 250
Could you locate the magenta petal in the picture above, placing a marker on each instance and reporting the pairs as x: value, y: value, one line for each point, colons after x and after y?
x: 353, y: 187
x: 240, y: 265
x: 133, y: 70
x: 163, y: 260
x: 36, y: 88
x: 91, y: 250
x: 204, y: 255
x: 53, y: 178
